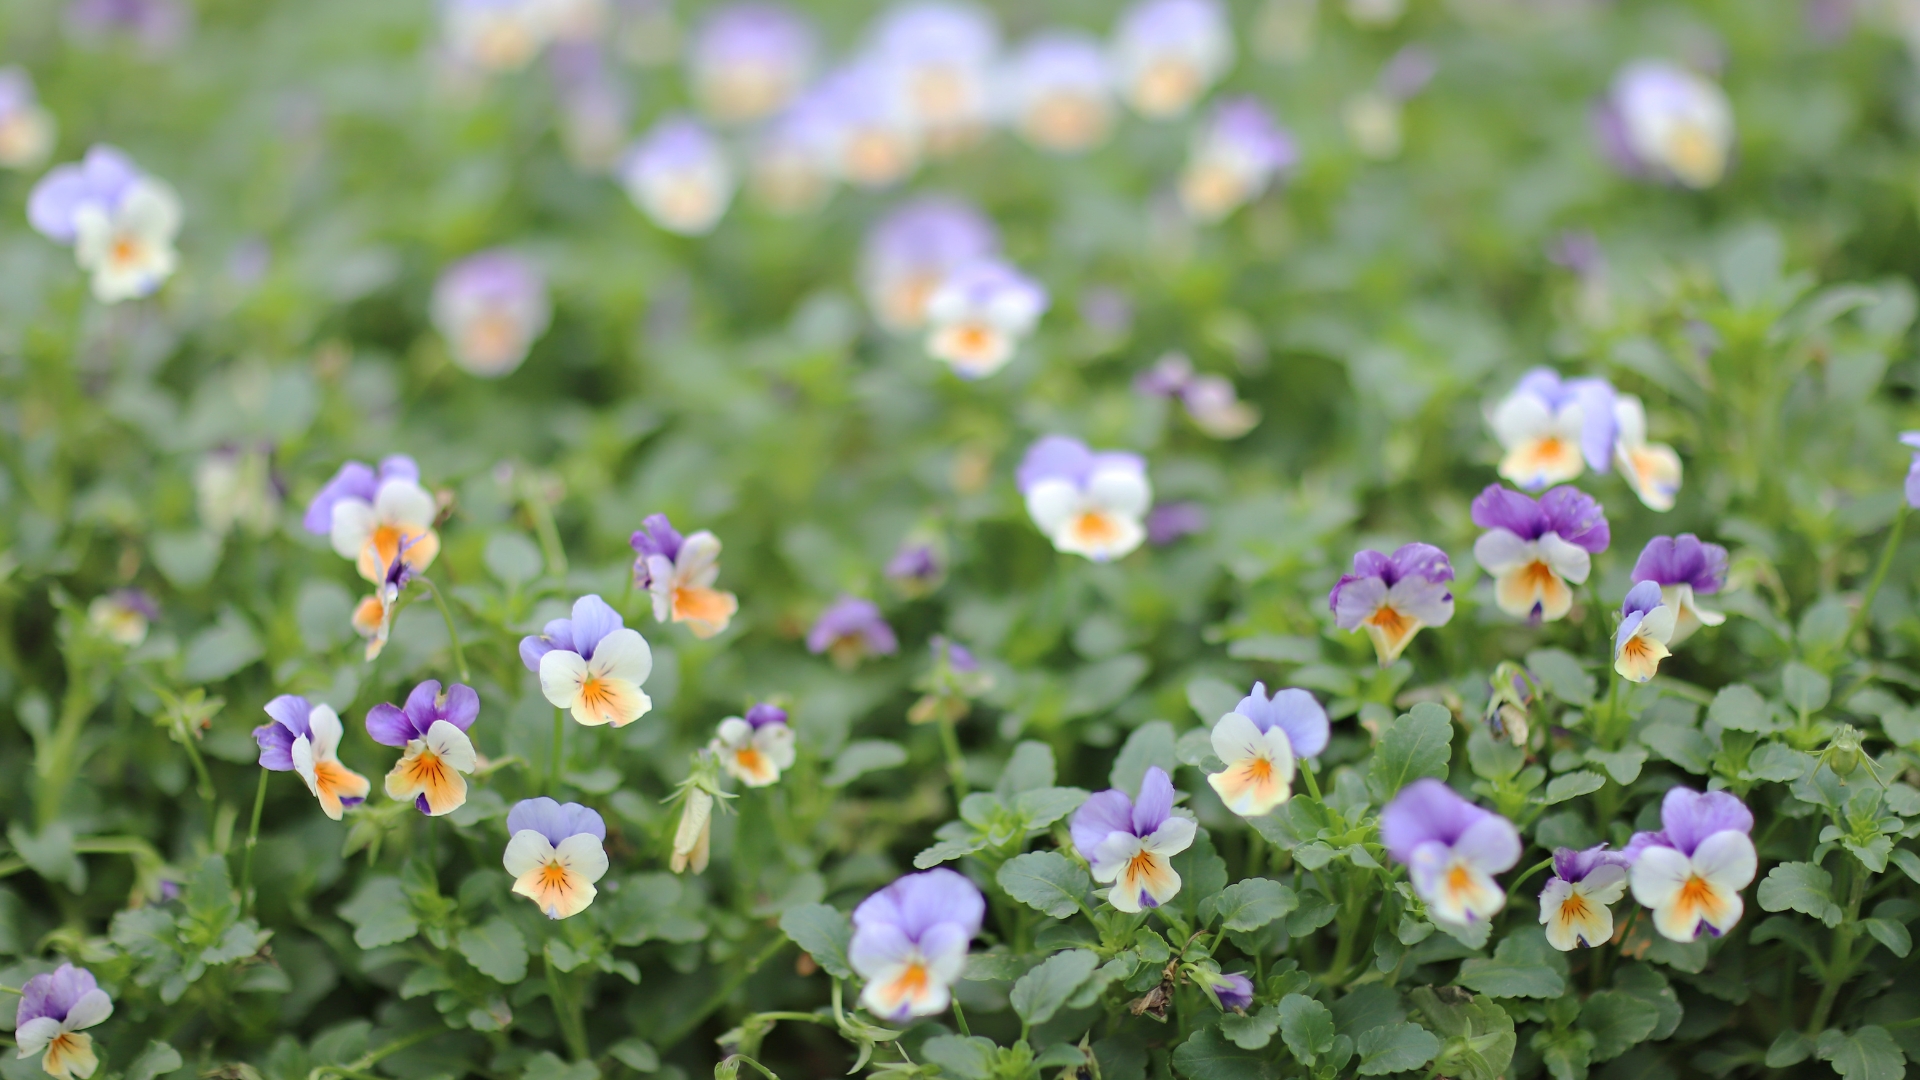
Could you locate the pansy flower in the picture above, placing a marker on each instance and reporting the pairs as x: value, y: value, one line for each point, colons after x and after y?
x: 370, y: 515
x: 555, y: 854
x: 1210, y: 400
x: 1131, y: 844
x: 432, y: 729
x: 1573, y: 906
x: 1691, y: 872
x: 913, y: 249
x: 1061, y: 92
x: 849, y: 631
x: 1232, y: 992
x: 592, y: 665
x: 1686, y: 568
x: 1552, y: 429
x: 1646, y: 626
x: 373, y: 616
x: 1235, y: 155
x: 866, y: 128
x: 593, y: 105
x: 679, y: 176
x: 910, y: 942
x: 679, y: 572
x: 26, y: 129
x: 1087, y: 503
x: 919, y: 565
x: 1536, y: 550
x: 157, y: 26
x: 1166, y: 53
x: 1663, y: 122
x: 1260, y: 740
x: 491, y: 308
x: 1392, y: 597
x: 936, y: 58
x: 494, y: 35
x: 790, y: 158
x: 122, y: 616
x: 1652, y: 470
x: 979, y: 314
x: 1451, y: 849
x: 950, y: 685
x: 55, y: 1008
x: 120, y: 222
x: 747, y: 60
x: 757, y: 748
x: 304, y: 738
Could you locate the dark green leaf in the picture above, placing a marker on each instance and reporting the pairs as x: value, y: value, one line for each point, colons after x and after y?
x: 1306, y: 1026
x: 1207, y: 1055
x: 1867, y: 1054
x: 1393, y: 1048
x: 379, y: 913
x: 1252, y: 1031
x: 1802, y: 887
x: 1418, y: 744
x: 824, y: 932
x: 1041, y: 992
x: 496, y: 949
x: 1618, y: 1021
x: 1250, y: 904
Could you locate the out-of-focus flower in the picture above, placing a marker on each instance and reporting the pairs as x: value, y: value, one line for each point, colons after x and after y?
x: 234, y: 485
x: 937, y: 57
x: 594, y: 113
x: 1131, y: 843
x: 1393, y: 597
x: 790, y: 162
x: 1086, y: 503
x: 495, y: 35
x: 1283, y: 31
x: 910, y: 942
x: 1167, y: 522
x: 1685, y: 568
x: 1210, y: 400
x: 756, y: 748
x: 913, y: 249
x: 920, y: 564
x: 865, y: 129
x: 55, y: 1007
x: 373, y: 617
x: 432, y: 729
x: 1652, y: 470
x: 1509, y: 701
x: 491, y: 308
x: 26, y: 129
x: 1664, y: 122
x: 120, y: 221
x: 1233, y: 992
x: 1691, y: 872
x: 1061, y: 92
x: 157, y: 25
x: 1260, y: 740
x: 678, y: 174
x: 570, y: 22
x: 1167, y: 53
x: 122, y: 615
x: 1551, y: 429
x: 370, y: 516
x: 1911, y: 440
x: 1535, y: 550
x: 950, y: 685
x: 679, y: 573
x: 1646, y: 625
x: 592, y: 665
x: 980, y: 314
x: 1451, y: 849
x: 1573, y: 906
x: 693, y: 836
x: 1375, y: 13
x: 1235, y: 155
x: 748, y: 60
x: 849, y: 631
x: 555, y: 854
x: 305, y: 738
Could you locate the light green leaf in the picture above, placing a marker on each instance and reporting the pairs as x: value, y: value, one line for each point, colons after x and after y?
x: 1523, y: 965
x: 1890, y: 933
x: 824, y: 932
x: 864, y: 756
x: 1789, y: 1048
x: 379, y: 913
x: 1804, y: 688
x: 1573, y: 785
x: 1030, y: 767
x: 1802, y: 887
x: 636, y: 1054
x: 1041, y: 992
x: 1868, y: 1054
x: 1251, y: 1031
x: 1684, y: 746
x: 1418, y: 744
x: 221, y: 649
x: 1046, y: 881
x: 512, y: 558
x: 948, y: 850
x: 966, y: 1058
x: 1250, y: 904
x: 496, y: 948
x: 1562, y: 675
x: 1152, y: 743
x: 1306, y: 1026
x: 1042, y: 807
x: 1623, y: 764
x: 1778, y: 762
x: 1212, y: 699
x: 1740, y: 707
x: 1393, y: 1048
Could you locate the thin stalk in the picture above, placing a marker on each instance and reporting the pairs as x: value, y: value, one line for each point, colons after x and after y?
x: 960, y: 1020
x: 459, y: 655
x: 572, y: 1026
x: 253, y: 837
x: 956, y: 762
x: 1531, y: 870
x: 9, y: 867
x: 57, y: 765
x: 559, y: 749
x: 1840, y: 966
x: 543, y: 527
x: 1879, y: 573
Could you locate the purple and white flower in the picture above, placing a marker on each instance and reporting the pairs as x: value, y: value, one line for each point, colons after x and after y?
x: 1060, y: 92
x: 592, y: 665
x: 1536, y: 551
x: 1663, y: 122
x: 55, y: 1009
x: 1392, y: 597
x: 1646, y: 626
x: 555, y: 854
x: 593, y: 107
x: 679, y: 573
x: 1573, y: 906
x: 157, y: 26
x: 1451, y: 849
x: 1260, y: 741
x: 432, y: 729
x: 1087, y: 503
x: 979, y: 314
x: 910, y: 942
x: 919, y: 566
x: 755, y: 749
x: 1651, y: 469
x: 1235, y: 155
x: 371, y: 516
x: 914, y: 248
x: 491, y: 308
x: 849, y: 631
x: 373, y: 616
x: 790, y: 159
x: 679, y: 176
x: 1691, y: 872
x: 864, y: 126
x: 1210, y: 400
x: 748, y: 60
x: 1685, y: 568
x: 122, y: 616
x: 1131, y: 844
x: 936, y: 58
x: 120, y: 221
x: 26, y: 129
x: 1552, y: 429
x: 304, y: 738
x: 1167, y: 53
x: 1232, y: 992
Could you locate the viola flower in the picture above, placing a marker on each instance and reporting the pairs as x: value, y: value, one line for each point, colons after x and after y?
x: 120, y: 221
x: 937, y: 59
x: 680, y: 572
x: 1061, y: 92
x: 592, y: 665
x: 1537, y: 550
x: 910, y: 942
x: 867, y: 130
x: 1235, y: 155
x: 919, y: 566
x: 693, y: 837
x: 679, y: 176
x: 26, y: 129
x: 755, y: 750
x: 1233, y: 992
x: 373, y: 616
x: 1911, y: 440
x: 913, y: 249
x: 1646, y: 625
x: 304, y: 738
x: 980, y: 314
x: 491, y: 308
x: 1167, y: 522
x: 157, y: 26
x: 1087, y: 503
x: 1451, y: 849
x: 791, y: 166
x: 1552, y: 429
x: 494, y: 35
x: 369, y: 516
x: 555, y: 854
x: 850, y: 630
x: 593, y: 105
x: 55, y: 1008
x: 1393, y: 597
x: 1573, y: 906
x: 1167, y: 53
x: 122, y: 616
x: 1210, y: 400
x: 1663, y: 122
x: 950, y: 685
x: 748, y: 60
x: 1652, y: 470
x: 1260, y: 740
x: 432, y: 728
x: 1131, y: 844
x: 1691, y: 872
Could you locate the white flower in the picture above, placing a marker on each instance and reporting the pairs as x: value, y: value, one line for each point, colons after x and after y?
x: 1576, y: 913
x: 129, y: 249
x: 1100, y: 518
x: 1259, y: 768
x: 1676, y: 120
x: 432, y: 769
x: 603, y: 688
x: 559, y: 879
x: 1140, y: 867
x: 1687, y: 893
x: 66, y: 1052
x: 316, y: 758
x: 693, y: 838
x: 1530, y: 573
x: 755, y: 756
x: 372, y: 533
x: 682, y: 587
x: 1651, y: 469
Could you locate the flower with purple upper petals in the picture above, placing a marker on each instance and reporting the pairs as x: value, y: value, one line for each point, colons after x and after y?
x: 1087, y: 503
x: 936, y: 60
x: 1235, y: 155
x: 979, y: 314
x: 491, y: 308
x: 1664, y: 122
x: 371, y: 516
x: 1393, y: 597
x: 866, y: 129
x: 1451, y: 849
x: 1131, y: 843
x: 1534, y: 549
x: 950, y: 685
x: 494, y: 35
x: 555, y: 854
x: 914, y: 248
x: 748, y: 60
x: 1232, y: 992
x: 592, y: 665
x: 679, y: 176
x: 679, y: 573
x: 1551, y: 428
x: 1167, y: 522
x: 1685, y: 568
x: 1210, y: 400
x: 120, y: 221
x: 1911, y: 440
x: 55, y: 1007
x: 1651, y: 469
x: 919, y: 565
x: 1260, y: 741
x: 157, y: 25
x: 26, y: 129
x: 100, y: 180
x: 755, y: 748
x: 850, y: 630
x: 304, y: 738
x: 1167, y: 53
x: 1060, y: 92
x: 432, y: 729
x: 910, y: 942
x: 122, y: 616
x: 1691, y: 872
x: 1646, y: 626
x: 373, y: 617
x: 1573, y: 906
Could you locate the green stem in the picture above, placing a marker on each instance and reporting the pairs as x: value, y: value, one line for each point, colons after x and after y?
x: 1841, y: 965
x: 960, y: 1020
x: 1879, y: 573
x: 1531, y: 870
x: 764, y: 1071
x: 253, y: 837
x: 205, y: 779
x: 56, y: 765
x: 559, y: 749
x: 1313, y: 786
x: 956, y: 762
x: 14, y: 990
x: 572, y: 1026
x: 543, y: 527
x: 459, y: 656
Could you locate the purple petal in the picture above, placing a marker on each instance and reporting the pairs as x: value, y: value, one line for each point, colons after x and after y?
x: 1169, y: 521
x: 762, y: 714
x: 1683, y: 559
x: 399, y: 467
x: 99, y: 180
x: 1103, y: 814
x: 1640, y: 842
x: 593, y: 619
x: 421, y: 708
x: 1641, y: 599
x: 354, y: 481
x: 1296, y: 712
x: 1571, y: 865
x: 1425, y: 810
x: 554, y: 820
x: 532, y: 648
x: 1155, y: 803
x: 1054, y: 457
x: 462, y: 707
x: 917, y: 902
x: 276, y: 746
x: 388, y: 726
x: 1578, y: 519
x: 1597, y: 427
x: 291, y: 712
x: 657, y: 536
x: 1501, y: 508
x: 1413, y: 560
x: 1691, y: 817
x: 1234, y: 991
x: 54, y: 993
x: 1492, y: 844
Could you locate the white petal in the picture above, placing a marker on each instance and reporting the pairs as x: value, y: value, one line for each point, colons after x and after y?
x: 622, y: 655
x: 1521, y: 416
x: 452, y: 746
x: 1236, y: 738
x: 583, y: 856
x: 353, y: 525
x: 1658, y: 875
x: 776, y: 742
x: 561, y: 674
x: 1173, y: 836
x: 1499, y: 550
x: 527, y: 852
x: 1606, y: 884
x: 1123, y: 491
x: 323, y: 726
x: 1052, y: 503
x: 302, y: 753
x: 93, y: 1007
x: 33, y: 1036
x: 1726, y: 860
x: 1658, y: 624
x: 1570, y: 561
x: 404, y: 502
x: 1111, y: 856
x: 734, y: 732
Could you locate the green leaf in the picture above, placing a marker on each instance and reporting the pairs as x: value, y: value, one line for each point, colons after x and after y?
x: 824, y: 932
x: 1802, y: 887
x: 547, y: 1065
x: 1306, y: 1026
x: 1573, y: 785
x: 1890, y: 933
x: 1684, y: 746
x: 1907, y: 861
x: 158, y: 1059
x: 1523, y: 965
x: 1042, y: 807
x: 1202, y: 872
x: 1152, y: 743
x: 1740, y: 707
x: 208, y: 898
x: 1418, y: 744
x: 1393, y: 1048
x: 1046, y: 881
x: 1030, y: 767
x: 966, y: 1058
x: 1623, y: 764
x: 379, y: 913
x: 512, y: 558
x: 221, y: 649
x: 1212, y: 699
x: 636, y: 1054
x: 496, y: 948
x: 1562, y: 675
x: 1804, y: 688
x: 862, y: 757
x: 1207, y: 1055
x: 1618, y: 1021
x: 1477, y: 1035
x: 240, y: 941
x: 1645, y: 982
x: 1778, y: 762
x: 1868, y: 1054
x: 1040, y: 992
x: 948, y: 850
x: 1250, y: 904
x: 1789, y: 1048
x: 1252, y: 1031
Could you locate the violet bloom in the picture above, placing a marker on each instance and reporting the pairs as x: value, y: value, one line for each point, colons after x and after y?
x: 432, y: 729
x: 1210, y: 400
x: 1235, y: 155
x: 1167, y: 53
x: 592, y: 665
x: 1537, y: 550
x: 157, y: 25
x: 914, y: 248
x: 1167, y: 522
x: 910, y: 942
x: 1646, y: 626
x: 1233, y: 992
x: 54, y: 1008
x: 791, y: 157
x: 679, y: 573
x: 120, y: 222
x: 371, y: 516
x: 1132, y: 843
x: 1685, y: 567
x: 304, y: 738
x: 1086, y: 503
x: 866, y: 128
x: 918, y: 567
x: 850, y: 630
x: 756, y: 748
x: 1911, y: 440
x: 980, y: 314
x: 1061, y: 92
x: 1573, y: 906
x: 1691, y: 872
x: 1260, y: 741
x: 936, y: 57
x: 1451, y: 849
x: 491, y: 308
x: 679, y: 176
x: 1393, y: 597
x: 1663, y: 122
x: 748, y: 60
x: 555, y: 854
x: 1551, y: 428
x: 122, y: 616
x: 26, y: 129
x: 1579, y: 251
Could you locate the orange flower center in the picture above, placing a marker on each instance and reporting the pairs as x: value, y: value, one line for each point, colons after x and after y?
x: 126, y: 249
x: 707, y: 605
x: 751, y: 760
x: 1696, y: 894
x: 1636, y: 648
x: 553, y: 876
x: 911, y: 984
x: 597, y: 695
x: 972, y: 339
x: 1388, y: 621
x: 1141, y: 865
x: 1538, y: 576
x: 1259, y: 770
x: 1574, y: 907
x: 428, y: 769
x: 1459, y: 880
x: 1094, y: 527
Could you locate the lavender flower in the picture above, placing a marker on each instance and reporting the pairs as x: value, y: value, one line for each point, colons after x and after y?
x: 979, y: 314
x: 679, y: 176
x: 1234, y: 156
x: 791, y: 158
x: 919, y: 566
x: 157, y: 25
x: 594, y: 113
x: 850, y: 630
x: 1651, y: 469
x: 122, y: 616
x: 755, y: 749
x: 910, y: 942
x: 1691, y: 872
x: 1167, y: 53
x: 54, y: 1009
x: 26, y: 129
x: 1132, y: 843
x: 120, y: 221
x: 1167, y: 522
x: 1210, y: 400
x: 1233, y: 992
x: 369, y: 516
x: 494, y: 35
x: 1260, y: 740
x: 1061, y: 92
x: 1573, y: 906
x: 748, y: 60
x: 936, y: 58
x: 1086, y: 503
x: 914, y: 248
x: 1451, y: 849
x: 592, y: 665
x: 304, y: 738
x: 865, y: 127
x: 555, y: 854
x: 1393, y: 597
x: 1685, y: 568
x: 1663, y: 122
x: 491, y: 308
x: 680, y: 573
x: 432, y: 729
x: 1551, y: 429
x: 1646, y: 625
x: 1535, y: 549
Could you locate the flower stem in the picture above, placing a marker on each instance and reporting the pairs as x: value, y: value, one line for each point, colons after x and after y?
x: 956, y: 762
x: 459, y: 655
x: 56, y: 764
x: 1879, y: 574
x: 572, y: 1027
x: 253, y: 837
x: 960, y: 1020
x: 559, y: 748
x: 1837, y: 969
x: 543, y: 527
